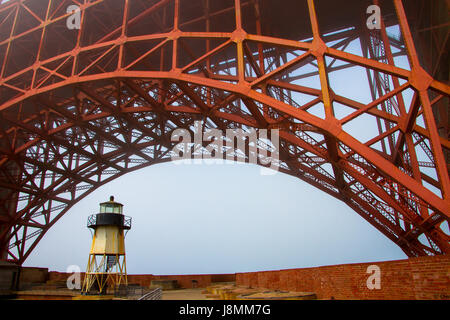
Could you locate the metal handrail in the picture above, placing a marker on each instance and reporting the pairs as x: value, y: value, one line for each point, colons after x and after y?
x: 152, y: 295
x: 92, y: 221
x: 127, y: 221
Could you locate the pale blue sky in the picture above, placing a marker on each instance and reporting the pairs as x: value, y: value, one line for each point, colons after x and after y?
x: 218, y: 219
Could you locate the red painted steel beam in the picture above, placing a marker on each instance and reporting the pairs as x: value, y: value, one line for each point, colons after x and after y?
x: 129, y: 75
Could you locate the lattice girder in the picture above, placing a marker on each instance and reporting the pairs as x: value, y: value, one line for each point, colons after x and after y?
x: 83, y: 107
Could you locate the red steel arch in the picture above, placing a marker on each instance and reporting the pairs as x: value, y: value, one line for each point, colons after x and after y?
x: 81, y: 107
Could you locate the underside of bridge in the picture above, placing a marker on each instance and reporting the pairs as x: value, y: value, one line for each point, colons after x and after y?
x: 80, y: 107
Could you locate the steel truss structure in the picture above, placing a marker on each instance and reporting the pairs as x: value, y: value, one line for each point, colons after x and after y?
x: 81, y: 107
x: 100, y: 273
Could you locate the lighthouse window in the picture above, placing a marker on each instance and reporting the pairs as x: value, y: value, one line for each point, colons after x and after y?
x: 110, y: 208
x: 106, y: 208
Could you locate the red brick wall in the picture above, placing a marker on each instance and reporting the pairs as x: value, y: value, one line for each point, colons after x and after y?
x: 62, y: 276
x: 33, y: 275
x: 143, y: 280
x: 184, y: 281
x: 414, y: 278
x: 223, y: 277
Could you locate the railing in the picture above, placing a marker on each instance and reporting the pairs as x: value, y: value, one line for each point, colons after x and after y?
x: 137, y: 292
x: 92, y: 221
x: 127, y: 222
x: 152, y: 295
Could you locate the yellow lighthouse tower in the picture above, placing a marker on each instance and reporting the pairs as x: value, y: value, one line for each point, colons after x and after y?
x: 107, y: 263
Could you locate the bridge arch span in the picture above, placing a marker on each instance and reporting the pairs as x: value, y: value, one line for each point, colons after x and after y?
x: 83, y: 107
